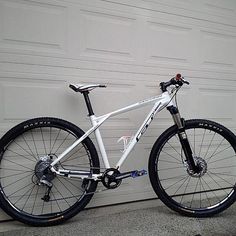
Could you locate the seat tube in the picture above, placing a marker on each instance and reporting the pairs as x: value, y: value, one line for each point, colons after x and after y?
x: 100, y: 142
x: 97, y: 132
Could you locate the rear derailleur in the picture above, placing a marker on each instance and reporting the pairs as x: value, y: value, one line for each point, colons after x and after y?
x: 44, y: 175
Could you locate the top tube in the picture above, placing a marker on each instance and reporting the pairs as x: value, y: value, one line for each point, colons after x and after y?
x: 164, y: 97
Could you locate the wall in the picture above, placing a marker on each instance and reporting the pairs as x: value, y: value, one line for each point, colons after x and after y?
x: 129, y: 45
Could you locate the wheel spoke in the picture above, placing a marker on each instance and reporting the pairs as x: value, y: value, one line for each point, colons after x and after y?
x: 16, y: 181
x: 62, y: 142
x: 58, y: 205
x: 4, y: 177
x: 187, y: 179
x: 202, y: 143
x: 55, y: 140
x: 215, y: 152
x: 209, y: 188
x: 29, y: 148
x: 222, y: 159
x: 216, y: 183
x: 36, y: 195
x: 32, y: 135
x: 24, y: 171
x: 27, y: 199
x: 171, y: 168
x: 232, y: 185
x: 61, y: 195
x: 30, y: 154
x: 178, y: 161
x: 205, y: 192
x: 175, y: 177
x: 68, y: 158
x: 209, y: 146
x: 18, y: 154
x: 67, y: 188
x: 194, y: 193
x: 174, y: 149
x: 20, y: 161
x: 222, y: 173
x: 200, y: 192
x: 185, y: 189
x: 18, y: 164
x: 70, y: 182
x: 176, y: 182
x: 43, y: 142
x: 223, y: 167
x: 23, y: 195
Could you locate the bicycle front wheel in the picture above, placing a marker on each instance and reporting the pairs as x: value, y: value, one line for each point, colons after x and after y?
x: 202, y: 194
x: 25, y: 151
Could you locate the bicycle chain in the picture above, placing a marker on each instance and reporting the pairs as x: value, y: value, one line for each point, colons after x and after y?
x: 97, y: 191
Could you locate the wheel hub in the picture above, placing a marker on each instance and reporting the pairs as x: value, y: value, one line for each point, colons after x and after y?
x: 41, y: 169
x: 201, y: 166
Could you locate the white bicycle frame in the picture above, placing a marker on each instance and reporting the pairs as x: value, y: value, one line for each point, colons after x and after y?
x: 161, y: 101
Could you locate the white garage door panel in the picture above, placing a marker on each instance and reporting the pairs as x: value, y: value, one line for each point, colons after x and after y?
x: 130, y: 45
x: 107, y: 36
x: 29, y: 95
x: 30, y: 25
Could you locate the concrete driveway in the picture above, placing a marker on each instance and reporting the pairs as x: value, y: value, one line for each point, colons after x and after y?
x: 140, y: 218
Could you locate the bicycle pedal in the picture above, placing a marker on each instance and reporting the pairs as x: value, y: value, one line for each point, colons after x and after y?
x: 133, y: 174
x: 138, y: 173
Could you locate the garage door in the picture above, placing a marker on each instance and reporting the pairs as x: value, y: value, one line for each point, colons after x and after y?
x: 130, y: 45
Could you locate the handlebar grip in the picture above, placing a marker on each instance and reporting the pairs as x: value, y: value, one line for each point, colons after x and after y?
x: 177, y: 80
x: 102, y: 86
x: 186, y: 82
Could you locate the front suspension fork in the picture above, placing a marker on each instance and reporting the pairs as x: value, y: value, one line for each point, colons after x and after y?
x: 183, y: 138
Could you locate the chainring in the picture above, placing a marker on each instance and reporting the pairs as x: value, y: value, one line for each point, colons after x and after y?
x: 109, y: 180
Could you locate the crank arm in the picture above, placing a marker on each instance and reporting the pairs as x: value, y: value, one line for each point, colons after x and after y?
x: 133, y: 174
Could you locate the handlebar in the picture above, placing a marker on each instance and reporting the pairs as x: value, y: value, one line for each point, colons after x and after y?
x: 177, y: 80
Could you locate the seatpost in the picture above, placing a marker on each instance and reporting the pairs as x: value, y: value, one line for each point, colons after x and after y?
x: 88, y: 103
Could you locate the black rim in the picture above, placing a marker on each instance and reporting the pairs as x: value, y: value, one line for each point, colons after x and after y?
x: 213, y: 185
x: 19, y: 182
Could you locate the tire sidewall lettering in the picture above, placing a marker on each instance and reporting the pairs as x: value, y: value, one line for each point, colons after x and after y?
x: 213, y: 127
x: 35, y: 124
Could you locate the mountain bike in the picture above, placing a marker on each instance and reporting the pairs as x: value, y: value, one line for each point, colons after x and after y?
x: 49, y: 167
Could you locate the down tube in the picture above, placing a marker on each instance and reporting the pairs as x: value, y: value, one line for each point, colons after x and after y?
x: 140, y: 132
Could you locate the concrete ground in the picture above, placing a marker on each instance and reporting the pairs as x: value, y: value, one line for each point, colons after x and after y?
x: 140, y: 218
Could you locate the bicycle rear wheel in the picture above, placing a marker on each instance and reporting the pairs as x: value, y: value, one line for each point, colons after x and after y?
x: 24, y: 152
x: 202, y: 194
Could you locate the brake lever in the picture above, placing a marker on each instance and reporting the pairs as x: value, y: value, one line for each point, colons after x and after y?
x: 185, y: 81
x: 180, y: 80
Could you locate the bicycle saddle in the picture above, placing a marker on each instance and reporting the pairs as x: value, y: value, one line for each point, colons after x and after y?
x: 85, y: 88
